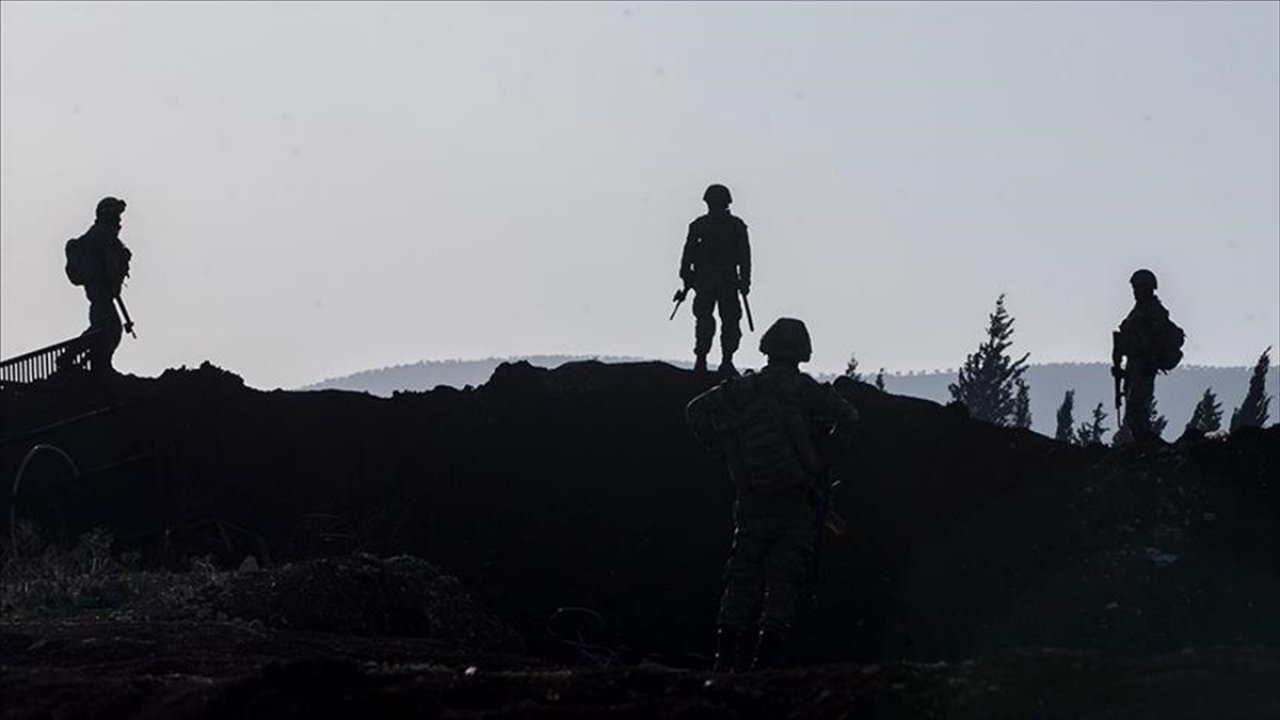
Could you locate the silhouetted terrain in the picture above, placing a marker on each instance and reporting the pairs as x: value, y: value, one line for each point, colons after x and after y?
x: 1176, y: 393
x: 580, y: 487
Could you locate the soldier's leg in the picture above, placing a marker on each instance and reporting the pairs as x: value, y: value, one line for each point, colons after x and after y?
x: 743, y: 579
x: 731, y: 328
x: 740, y: 602
x: 105, y: 321
x: 1140, y: 390
x: 786, y: 566
x: 704, y: 329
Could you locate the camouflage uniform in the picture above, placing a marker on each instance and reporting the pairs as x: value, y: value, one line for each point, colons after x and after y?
x: 716, y: 263
x: 775, y: 529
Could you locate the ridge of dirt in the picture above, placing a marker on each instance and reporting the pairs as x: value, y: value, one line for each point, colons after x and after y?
x: 581, y: 487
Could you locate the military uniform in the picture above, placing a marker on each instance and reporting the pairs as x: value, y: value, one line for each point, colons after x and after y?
x: 1137, y: 341
x: 109, y: 263
x: 775, y: 523
x: 716, y: 263
x: 1151, y: 342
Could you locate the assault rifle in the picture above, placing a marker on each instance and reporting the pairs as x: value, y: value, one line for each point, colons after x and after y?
x: 1117, y: 355
x: 678, y: 298
x: 128, y: 322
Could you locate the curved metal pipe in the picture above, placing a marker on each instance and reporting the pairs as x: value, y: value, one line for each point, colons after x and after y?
x: 17, y: 482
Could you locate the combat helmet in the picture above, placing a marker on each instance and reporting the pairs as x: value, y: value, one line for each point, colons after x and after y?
x: 1143, y: 277
x: 787, y: 339
x: 717, y: 194
x: 109, y: 207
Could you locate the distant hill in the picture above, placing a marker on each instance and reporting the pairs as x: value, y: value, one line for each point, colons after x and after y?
x: 1176, y: 393
x: 429, y: 374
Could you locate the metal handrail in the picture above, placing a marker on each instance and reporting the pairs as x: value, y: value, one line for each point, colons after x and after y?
x: 43, y: 363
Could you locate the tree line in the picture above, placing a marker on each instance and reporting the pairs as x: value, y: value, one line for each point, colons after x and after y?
x: 990, y: 386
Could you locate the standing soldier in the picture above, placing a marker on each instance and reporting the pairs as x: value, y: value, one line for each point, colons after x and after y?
x: 1152, y: 343
x: 716, y: 264
x: 98, y: 261
x: 776, y: 430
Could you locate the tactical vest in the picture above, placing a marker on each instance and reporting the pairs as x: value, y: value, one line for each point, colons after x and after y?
x: 771, y: 437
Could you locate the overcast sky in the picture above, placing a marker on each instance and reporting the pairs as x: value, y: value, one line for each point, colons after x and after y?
x: 320, y: 188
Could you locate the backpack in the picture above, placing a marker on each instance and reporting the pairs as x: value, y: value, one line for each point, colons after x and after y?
x: 767, y: 429
x: 1168, y: 339
x: 80, y: 266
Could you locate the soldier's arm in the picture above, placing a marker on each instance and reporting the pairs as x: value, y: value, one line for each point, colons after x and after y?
x: 837, y: 418
x: 687, y: 268
x: 703, y: 417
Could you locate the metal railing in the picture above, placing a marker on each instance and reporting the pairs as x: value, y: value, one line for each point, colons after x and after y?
x: 43, y: 363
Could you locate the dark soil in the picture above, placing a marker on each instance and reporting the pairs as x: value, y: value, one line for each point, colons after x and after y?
x: 580, y: 488
x: 217, y: 670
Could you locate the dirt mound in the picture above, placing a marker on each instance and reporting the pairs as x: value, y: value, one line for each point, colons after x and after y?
x: 362, y: 595
x: 581, y: 487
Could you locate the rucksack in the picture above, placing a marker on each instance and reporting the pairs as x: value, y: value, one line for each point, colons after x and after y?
x: 767, y: 429
x: 80, y: 266
x: 1168, y: 339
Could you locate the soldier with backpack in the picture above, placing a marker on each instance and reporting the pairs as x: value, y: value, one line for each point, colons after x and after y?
x: 99, y: 262
x: 1151, y: 343
x: 716, y: 264
x: 776, y: 430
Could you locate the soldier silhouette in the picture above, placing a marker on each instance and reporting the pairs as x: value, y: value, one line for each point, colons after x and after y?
x: 716, y: 265
x: 99, y: 262
x: 777, y: 431
x: 1150, y: 343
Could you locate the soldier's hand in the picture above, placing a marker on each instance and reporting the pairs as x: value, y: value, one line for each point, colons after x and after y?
x: 745, y: 289
x: 680, y: 295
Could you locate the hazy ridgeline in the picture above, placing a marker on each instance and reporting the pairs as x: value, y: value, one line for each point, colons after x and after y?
x: 1176, y: 393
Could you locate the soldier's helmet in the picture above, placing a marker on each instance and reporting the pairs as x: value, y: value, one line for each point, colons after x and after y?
x: 109, y: 207
x: 717, y: 194
x: 1143, y: 278
x: 787, y: 339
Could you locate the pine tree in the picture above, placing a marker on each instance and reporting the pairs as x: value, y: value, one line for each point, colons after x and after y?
x: 986, y: 382
x: 1091, y: 433
x: 1207, y: 417
x: 1253, y: 411
x: 1022, y: 406
x: 1066, y: 421
x: 880, y: 380
x: 1158, y: 422
x: 1155, y: 421
x: 851, y: 369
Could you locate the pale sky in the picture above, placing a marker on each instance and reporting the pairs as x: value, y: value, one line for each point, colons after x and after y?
x: 320, y: 188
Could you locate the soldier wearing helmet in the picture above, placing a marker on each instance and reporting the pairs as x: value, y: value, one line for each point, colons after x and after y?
x: 1147, y: 343
x: 99, y: 262
x: 777, y: 430
x: 716, y: 264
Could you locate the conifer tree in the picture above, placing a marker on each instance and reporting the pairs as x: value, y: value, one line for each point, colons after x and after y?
x: 987, y: 382
x: 1091, y: 433
x: 1022, y: 406
x: 851, y: 369
x: 1155, y: 421
x: 1207, y: 416
x: 1253, y: 411
x: 1066, y: 421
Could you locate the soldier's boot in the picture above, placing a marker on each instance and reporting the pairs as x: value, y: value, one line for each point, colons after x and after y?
x: 769, y: 647
x: 726, y: 365
x: 700, y: 363
x: 728, y: 645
